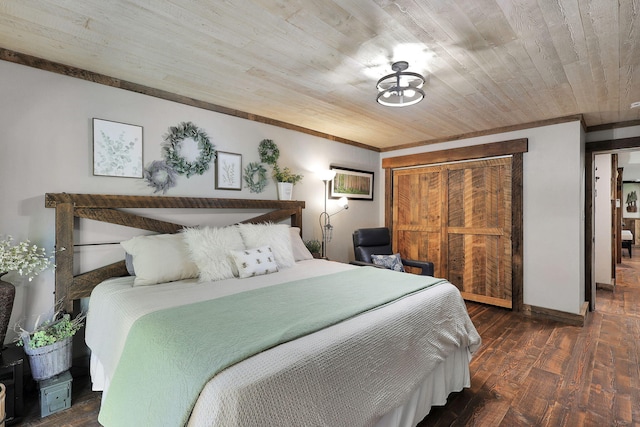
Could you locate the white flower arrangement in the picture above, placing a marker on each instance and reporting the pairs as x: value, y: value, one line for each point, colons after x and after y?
x: 27, y: 259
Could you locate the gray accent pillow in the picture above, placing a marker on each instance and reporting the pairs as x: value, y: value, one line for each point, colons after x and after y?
x: 128, y: 261
x: 392, y: 262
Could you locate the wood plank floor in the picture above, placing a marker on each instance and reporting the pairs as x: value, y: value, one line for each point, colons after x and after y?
x: 527, y: 373
x: 542, y: 373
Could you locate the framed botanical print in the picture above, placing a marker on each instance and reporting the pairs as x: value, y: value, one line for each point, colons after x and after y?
x: 228, y: 171
x: 117, y: 149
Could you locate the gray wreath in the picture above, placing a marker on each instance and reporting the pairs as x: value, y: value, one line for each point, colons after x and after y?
x: 172, y: 145
x: 160, y: 176
x: 255, y: 177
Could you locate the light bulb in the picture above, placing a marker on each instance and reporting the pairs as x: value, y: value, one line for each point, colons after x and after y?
x: 326, y: 175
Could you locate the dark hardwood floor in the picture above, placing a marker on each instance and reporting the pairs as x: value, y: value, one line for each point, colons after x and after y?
x: 527, y: 373
x: 85, y: 405
x: 543, y: 373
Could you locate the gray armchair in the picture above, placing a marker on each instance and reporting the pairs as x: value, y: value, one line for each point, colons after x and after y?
x: 377, y: 241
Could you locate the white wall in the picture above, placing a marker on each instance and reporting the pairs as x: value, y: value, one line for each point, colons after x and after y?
x: 602, y: 219
x: 553, y: 211
x: 46, y: 147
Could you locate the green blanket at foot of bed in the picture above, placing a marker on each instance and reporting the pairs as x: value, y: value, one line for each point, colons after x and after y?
x: 171, y: 354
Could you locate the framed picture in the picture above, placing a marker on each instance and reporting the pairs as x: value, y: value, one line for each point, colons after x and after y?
x: 228, y: 171
x: 117, y: 149
x: 352, y: 184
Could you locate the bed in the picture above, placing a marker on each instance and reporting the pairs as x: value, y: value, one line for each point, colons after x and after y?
x: 627, y: 240
x: 382, y: 366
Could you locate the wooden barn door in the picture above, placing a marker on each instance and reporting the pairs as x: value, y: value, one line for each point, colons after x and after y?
x: 458, y: 216
x: 417, y: 214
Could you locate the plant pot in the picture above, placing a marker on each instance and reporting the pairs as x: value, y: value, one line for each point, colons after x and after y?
x: 7, y: 296
x: 285, y: 190
x: 49, y: 360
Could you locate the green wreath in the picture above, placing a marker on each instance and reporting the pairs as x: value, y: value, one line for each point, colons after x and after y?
x: 255, y: 176
x: 268, y: 151
x: 172, y: 145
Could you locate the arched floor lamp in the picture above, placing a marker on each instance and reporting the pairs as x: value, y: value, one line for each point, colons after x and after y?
x: 325, y: 218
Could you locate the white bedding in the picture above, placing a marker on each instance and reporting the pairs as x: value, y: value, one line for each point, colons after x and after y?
x: 358, y: 372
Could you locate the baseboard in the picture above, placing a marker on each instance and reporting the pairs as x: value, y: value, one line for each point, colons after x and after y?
x: 560, y: 316
x: 606, y: 286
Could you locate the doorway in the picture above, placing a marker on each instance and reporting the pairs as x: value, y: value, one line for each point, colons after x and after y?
x: 593, y: 148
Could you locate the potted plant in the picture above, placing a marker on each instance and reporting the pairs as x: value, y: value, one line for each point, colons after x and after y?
x: 27, y: 260
x: 49, y: 346
x: 314, y: 247
x: 286, y: 180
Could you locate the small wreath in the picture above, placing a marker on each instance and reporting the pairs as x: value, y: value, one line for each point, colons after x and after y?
x: 255, y: 176
x: 172, y: 145
x: 160, y: 176
x: 268, y: 151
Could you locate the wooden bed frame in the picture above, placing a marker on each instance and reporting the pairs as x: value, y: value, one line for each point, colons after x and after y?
x: 106, y: 208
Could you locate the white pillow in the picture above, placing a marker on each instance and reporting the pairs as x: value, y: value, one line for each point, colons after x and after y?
x: 300, y: 251
x: 210, y: 248
x: 276, y: 236
x: 160, y: 258
x: 255, y: 262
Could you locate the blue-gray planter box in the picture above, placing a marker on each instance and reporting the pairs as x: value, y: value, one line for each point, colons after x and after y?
x: 55, y: 394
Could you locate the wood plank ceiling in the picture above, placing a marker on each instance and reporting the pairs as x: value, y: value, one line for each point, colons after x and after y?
x: 314, y: 63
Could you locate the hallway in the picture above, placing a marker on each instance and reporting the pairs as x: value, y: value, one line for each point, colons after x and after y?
x: 625, y: 299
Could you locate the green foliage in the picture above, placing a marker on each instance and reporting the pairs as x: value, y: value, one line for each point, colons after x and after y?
x: 268, y: 151
x: 349, y: 190
x: 51, y: 332
x: 285, y: 175
x: 172, y: 149
x: 313, y: 246
x: 255, y: 177
x: 114, y: 156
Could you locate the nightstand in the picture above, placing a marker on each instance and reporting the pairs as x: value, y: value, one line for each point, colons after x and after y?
x: 11, y: 375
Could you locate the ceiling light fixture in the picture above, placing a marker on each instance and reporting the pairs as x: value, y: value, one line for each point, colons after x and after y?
x: 401, y: 88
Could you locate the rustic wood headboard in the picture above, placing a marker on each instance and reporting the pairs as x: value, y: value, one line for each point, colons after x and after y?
x: 105, y: 208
